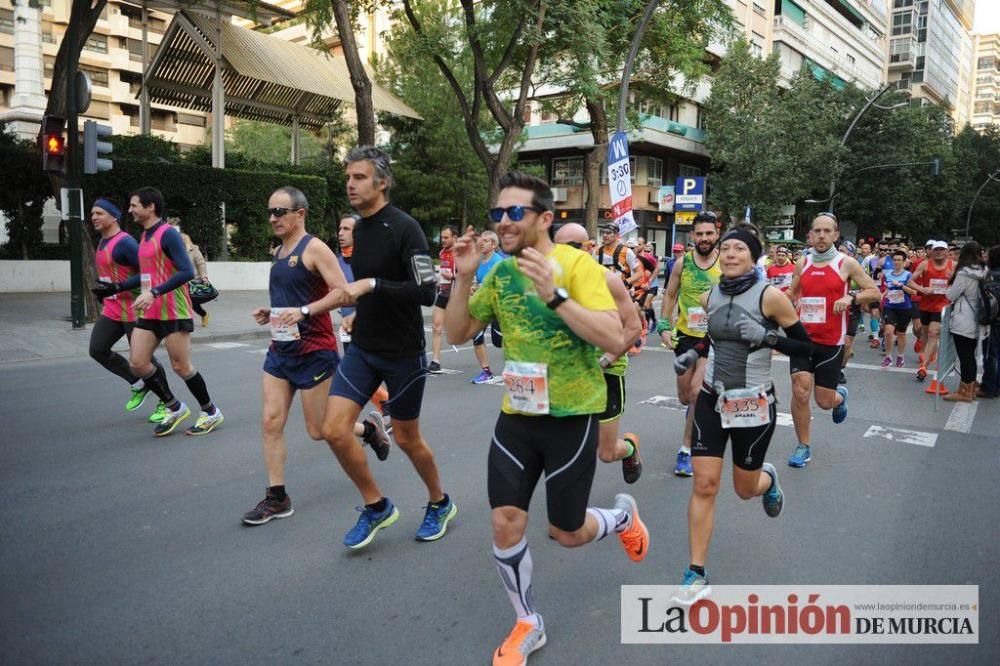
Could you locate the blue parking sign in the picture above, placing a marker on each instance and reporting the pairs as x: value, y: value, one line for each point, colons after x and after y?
x: 689, y: 193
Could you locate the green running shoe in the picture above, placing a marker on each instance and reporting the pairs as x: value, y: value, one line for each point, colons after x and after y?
x: 138, y: 397
x: 158, y: 413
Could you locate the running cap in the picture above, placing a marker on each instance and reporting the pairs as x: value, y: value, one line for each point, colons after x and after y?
x: 106, y: 205
x: 939, y: 245
x: 930, y: 242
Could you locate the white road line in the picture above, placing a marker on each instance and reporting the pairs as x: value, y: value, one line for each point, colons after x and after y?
x: 962, y: 416
x: 916, y: 437
x: 784, y: 359
x: 670, y: 402
x: 226, y: 345
x: 447, y: 371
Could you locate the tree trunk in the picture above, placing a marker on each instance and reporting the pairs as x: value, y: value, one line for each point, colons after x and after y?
x: 359, y: 77
x: 592, y: 163
x: 85, y: 13
x: 91, y: 305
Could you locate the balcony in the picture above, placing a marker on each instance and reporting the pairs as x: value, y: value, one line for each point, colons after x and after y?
x: 902, y: 62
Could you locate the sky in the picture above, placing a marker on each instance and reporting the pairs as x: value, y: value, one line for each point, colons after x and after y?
x: 987, y: 16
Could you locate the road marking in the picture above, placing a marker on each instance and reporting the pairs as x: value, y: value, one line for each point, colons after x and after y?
x: 916, y: 437
x: 962, y: 416
x: 670, y: 402
x: 447, y: 371
x: 226, y: 345
x: 784, y: 359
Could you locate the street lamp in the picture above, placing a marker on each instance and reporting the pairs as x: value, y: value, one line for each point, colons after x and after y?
x: 968, y: 218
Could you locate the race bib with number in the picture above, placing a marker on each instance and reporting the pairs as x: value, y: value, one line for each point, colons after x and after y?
x: 698, y: 320
x: 527, y: 386
x: 897, y: 296
x: 939, y: 286
x: 744, y: 408
x: 812, y: 309
x: 146, y: 282
x: 280, y: 332
x: 782, y: 281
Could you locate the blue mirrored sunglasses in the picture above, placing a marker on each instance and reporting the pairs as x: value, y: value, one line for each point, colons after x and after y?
x: 515, y: 213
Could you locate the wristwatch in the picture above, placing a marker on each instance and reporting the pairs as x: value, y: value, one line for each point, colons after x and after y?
x: 561, y: 296
x: 371, y: 283
x: 305, y: 311
x: 854, y: 299
x: 605, y: 362
x: 771, y: 339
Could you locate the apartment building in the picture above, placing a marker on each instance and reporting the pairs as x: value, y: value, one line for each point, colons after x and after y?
x: 986, y: 82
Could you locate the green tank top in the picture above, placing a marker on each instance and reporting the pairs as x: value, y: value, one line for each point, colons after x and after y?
x: 695, y: 281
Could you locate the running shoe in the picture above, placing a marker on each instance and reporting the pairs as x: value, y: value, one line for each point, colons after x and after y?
x: 268, y: 509
x: 369, y: 523
x: 138, y: 397
x: 694, y: 588
x: 632, y: 465
x: 802, y: 455
x: 171, y: 420
x: 900, y: 363
x: 918, y: 346
x: 158, y: 413
x: 635, y: 538
x: 433, y: 366
x: 524, y: 639
x: 204, y: 320
x: 436, y: 520
x: 773, y: 499
x: 861, y: 328
x: 683, y: 467
x: 379, y: 440
x: 873, y: 342
x: 887, y: 361
x: 206, y: 423
x: 840, y: 411
x: 921, y: 373
x: 484, y: 376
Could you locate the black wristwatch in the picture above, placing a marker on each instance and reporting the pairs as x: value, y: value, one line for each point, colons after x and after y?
x: 854, y: 299
x: 561, y: 296
x: 771, y: 339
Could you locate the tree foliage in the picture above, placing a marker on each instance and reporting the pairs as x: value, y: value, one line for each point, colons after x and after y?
x: 23, y: 194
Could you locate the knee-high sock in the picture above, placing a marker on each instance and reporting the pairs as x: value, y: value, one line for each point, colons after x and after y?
x: 196, y: 384
x: 609, y: 520
x: 157, y: 383
x: 514, y: 567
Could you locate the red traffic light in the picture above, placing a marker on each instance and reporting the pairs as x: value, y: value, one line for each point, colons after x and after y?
x: 55, y: 144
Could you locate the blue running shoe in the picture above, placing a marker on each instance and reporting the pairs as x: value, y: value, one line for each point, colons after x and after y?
x: 801, y: 456
x: 683, y: 467
x: 693, y: 589
x: 369, y: 523
x: 840, y: 411
x: 436, y: 520
x: 773, y: 499
x: 484, y: 376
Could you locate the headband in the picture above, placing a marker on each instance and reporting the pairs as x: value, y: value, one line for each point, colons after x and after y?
x: 743, y: 235
x: 105, y: 204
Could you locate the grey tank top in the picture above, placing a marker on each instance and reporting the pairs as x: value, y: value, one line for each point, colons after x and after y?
x: 732, y: 364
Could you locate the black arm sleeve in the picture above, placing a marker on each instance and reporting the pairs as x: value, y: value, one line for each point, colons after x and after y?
x: 797, y: 343
x: 421, y: 285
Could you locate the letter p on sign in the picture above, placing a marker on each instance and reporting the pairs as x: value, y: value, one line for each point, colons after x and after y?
x: 689, y: 184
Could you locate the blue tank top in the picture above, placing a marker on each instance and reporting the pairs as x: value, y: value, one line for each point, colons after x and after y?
x: 892, y: 292
x: 292, y: 285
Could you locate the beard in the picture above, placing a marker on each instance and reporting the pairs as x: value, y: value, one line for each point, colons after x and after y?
x: 710, y: 248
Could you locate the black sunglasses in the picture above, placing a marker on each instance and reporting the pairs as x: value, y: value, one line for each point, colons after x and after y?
x: 280, y: 212
x: 515, y: 213
x: 576, y: 244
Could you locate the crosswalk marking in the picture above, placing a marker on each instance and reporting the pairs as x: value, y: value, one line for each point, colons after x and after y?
x: 916, y: 437
x: 226, y: 345
x: 962, y: 416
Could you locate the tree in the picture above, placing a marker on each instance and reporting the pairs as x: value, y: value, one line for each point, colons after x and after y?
x: 23, y: 194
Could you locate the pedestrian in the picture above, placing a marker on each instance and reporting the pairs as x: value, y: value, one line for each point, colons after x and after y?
x: 966, y: 332
x: 490, y: 256
x: 991, y: 345
x: 200, y: 271
x: 446, y: 277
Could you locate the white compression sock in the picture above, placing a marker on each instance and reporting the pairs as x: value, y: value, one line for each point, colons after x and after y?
x: 514, y: 566
x: 609, y: 520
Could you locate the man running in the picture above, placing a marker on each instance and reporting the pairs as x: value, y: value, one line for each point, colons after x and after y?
x: 164, y: 308
x: 779, y: 273
x: 931, y: 281
x: 616, y: 256
x: 303, y: 353
x: 447, y: 273
x: 557, y: 313
x: 921, y: 255
x: 820, y: 288
x: 896, y: 313
x: 393, y: 277
x: 117, y: 260
x: 690, y: 278
x: 488, y: 245
x: 610, y: 447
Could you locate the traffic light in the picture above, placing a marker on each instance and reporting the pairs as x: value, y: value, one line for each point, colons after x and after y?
x: 93, y: 147
x: 935, y: 166
x: 53, y: 144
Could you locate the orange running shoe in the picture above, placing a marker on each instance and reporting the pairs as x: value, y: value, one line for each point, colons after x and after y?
x: 524, y: 639
x: 918, y: 345
x: 378, y: 397
x: 922, y: 372
x: 635, y: 539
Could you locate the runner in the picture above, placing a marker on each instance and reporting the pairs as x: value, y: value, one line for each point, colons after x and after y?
x: 164, y: 309
x: 737, y: 399
x: 303, y: 353
x: 615, y: 255
x: 779, y: 274
x: 447, y: 278
x: 610, y: 447
x: 690, y: 278
x: 488, y: 244
x: 117, y: 260
x: 820, y: 287
x: 854, y: 319
x: 931, y: 282
x: 557, y: 313
x: 918, y: 328
x: 393, y: 277
x: 896, y: 313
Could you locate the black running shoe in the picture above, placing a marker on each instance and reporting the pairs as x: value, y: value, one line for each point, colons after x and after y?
x: 632, y: 465
x: 433, y: 366
x: 268, y: 509
x: 379, y: 439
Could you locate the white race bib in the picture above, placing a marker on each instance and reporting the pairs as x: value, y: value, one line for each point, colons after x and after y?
x: 527, y: 386
x: 280, y: 332
x: 896, y: 296
x: 698, y: 320
x: 939, y: 286
x: 744, y: 408
x: 146, y: 282
x: 782, y: 282
x: 812, y: 309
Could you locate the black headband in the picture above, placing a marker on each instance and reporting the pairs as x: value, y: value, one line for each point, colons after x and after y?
x: 743, y: 235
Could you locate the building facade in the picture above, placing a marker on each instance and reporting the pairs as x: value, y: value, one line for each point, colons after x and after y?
x: 986, y: 82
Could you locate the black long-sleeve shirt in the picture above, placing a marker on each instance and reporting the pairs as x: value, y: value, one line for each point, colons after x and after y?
x: 391, y: 247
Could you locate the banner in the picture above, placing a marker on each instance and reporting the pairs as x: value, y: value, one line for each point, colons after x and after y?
x: 665, y: 197
x: 620, y: 183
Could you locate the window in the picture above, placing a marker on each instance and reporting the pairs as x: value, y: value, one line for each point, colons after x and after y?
x: 190, y: 119
x: 654, y: 172
x: 902, y: 23
x: 986, y: 62
x: 7, y: 21
x: 757, y: 44
x: 701, y: 117
x: 688, y: 171
x: 567, y: 171
x: 759, y: 8
x: 100, y: 110
x: 98, y: 77
x: 97, y: 43
x: 48, y: 36
x: 49, y: 64
x: 6, y: 59
x: 900, y: 4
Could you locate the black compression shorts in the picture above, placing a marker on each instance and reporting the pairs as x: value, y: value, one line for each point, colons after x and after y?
x: 686, y: 342
x: 825, y: 363
x: 565, y: 448
x: 927, y: 318
x: 162, y: 328
x: 749, y: 444
x: 899, y: 318
x: 441, y: 300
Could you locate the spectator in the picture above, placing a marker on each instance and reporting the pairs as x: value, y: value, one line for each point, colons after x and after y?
x: 991, y: 345
x: 200, y: 268
x: 963, y: 294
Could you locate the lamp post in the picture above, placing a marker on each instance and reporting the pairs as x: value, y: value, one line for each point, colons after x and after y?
x: 968, y: 217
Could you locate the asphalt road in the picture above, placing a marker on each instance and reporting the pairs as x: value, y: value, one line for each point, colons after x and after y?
x: 122, y: 548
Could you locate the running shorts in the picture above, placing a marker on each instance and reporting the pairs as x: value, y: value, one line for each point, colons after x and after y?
x: 302, y: 371
x: 441, y: 300
x: 686, y: 342
x: 496, y: 335
x: 161, y: 328
x: 564, y: 448
x: 898, y: 318
x: 749, y: 444
x: 616, y: 398
x: 360, y: 373
x: 824, y: 364
x: 926, y: 318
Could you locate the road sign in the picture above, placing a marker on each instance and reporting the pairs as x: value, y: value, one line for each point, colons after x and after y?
x: 684, y: 218
x: 620, y: 183
x: 666, y: 199
x: 690, y: 193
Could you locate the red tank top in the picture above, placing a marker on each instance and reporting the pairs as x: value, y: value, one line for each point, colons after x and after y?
x: 119, y: 306
x: 819, y: 288
x: 780, y: 276
x: 937, y: 279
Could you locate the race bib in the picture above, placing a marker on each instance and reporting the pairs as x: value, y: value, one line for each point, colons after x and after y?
x: 345, y: 337
x: 744, y: 408
x: 812, y: 309
x: 527, y: 386
x: 698, y: 320
x: 939, y: 286
x: 897, y: 296
x: 146, y: 283
x: 280, y: 332
x: 782, y: 281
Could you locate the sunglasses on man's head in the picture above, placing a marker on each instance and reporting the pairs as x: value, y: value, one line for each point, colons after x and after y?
x: 514, y: 213
x: 280, y: 212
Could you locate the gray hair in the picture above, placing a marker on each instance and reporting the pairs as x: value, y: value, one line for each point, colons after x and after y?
x: 379, y: 160
x: 491, y: 236
x: 297, y: 196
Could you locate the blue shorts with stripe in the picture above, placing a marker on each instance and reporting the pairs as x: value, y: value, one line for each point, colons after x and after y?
x: 360, y: 373
x: 302, y: 371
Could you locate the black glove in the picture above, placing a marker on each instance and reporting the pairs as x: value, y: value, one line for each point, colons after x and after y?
x: 686, y: 361
x: 105, y: 289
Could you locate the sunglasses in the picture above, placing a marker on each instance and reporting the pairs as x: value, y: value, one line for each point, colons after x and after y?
x: 576, y: 244
x: 280, y: 212
x: 514, y: 213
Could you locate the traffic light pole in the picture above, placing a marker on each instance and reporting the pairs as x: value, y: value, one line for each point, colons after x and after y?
x: 74, y: 216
